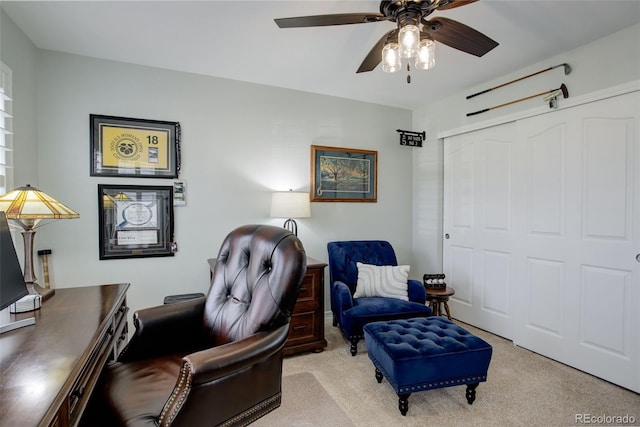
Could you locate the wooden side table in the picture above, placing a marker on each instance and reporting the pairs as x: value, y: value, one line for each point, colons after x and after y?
x: 439, y: 297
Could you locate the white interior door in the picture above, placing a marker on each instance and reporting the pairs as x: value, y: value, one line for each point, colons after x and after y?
x: 543, y: 225
x: 478, y: 244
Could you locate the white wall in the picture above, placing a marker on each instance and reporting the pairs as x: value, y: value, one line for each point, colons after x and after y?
x: 240, y: 142
x: 605, y: 63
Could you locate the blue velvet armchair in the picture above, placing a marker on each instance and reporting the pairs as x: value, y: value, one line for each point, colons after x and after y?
x: 351, y: 314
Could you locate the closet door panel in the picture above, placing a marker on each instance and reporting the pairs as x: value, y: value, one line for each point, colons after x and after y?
x: 542, y: 234
x: 478, y: 219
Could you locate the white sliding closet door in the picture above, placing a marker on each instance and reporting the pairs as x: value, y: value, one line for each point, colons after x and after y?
x: 543, y: 217
x: 578, y: 279
x: 479, y: 241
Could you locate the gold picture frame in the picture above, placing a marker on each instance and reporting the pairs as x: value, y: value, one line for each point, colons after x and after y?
x: 136, y: 148
x: 343, y: 175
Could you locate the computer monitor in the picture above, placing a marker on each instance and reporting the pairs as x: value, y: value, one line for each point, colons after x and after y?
x: 12, y: 285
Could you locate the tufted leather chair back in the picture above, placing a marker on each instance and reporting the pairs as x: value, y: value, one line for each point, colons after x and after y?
x: 343, y: 257
x: 255, y: 282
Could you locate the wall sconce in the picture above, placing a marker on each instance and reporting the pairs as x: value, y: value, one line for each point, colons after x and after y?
x: 290, y: 205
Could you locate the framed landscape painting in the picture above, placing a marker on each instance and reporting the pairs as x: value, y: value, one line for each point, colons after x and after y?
x: 343, y: 175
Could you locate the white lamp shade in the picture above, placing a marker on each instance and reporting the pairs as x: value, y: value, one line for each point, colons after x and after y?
x: 290, y: 204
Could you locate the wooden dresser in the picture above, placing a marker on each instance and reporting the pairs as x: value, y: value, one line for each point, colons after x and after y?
x: 306, y: 329
x: 49, y: 370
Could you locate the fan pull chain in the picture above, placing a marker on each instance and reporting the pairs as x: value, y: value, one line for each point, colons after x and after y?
x: 408, y: 72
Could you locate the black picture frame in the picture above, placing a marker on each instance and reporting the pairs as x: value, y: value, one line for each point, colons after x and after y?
x: 135, y: 221
x: 134, y: 148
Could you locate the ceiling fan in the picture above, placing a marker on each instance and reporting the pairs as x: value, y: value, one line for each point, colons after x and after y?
x: 414, y: 35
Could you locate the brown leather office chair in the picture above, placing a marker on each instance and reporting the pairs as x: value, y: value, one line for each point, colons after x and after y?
x: 215, y: 360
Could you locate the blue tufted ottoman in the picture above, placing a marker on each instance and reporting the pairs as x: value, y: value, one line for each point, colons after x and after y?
x: 426, y: 353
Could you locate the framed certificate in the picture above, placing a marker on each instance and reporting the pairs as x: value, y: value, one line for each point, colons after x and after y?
x: 134, y: 147
x: 135, y: 221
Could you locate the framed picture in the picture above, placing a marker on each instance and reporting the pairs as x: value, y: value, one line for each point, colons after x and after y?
x: 135, y: 221
x: 134, y: 147
x: 343, y: 175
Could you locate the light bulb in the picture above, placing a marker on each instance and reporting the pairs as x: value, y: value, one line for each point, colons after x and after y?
x: 391, y: 58
x: 426, y: 58
x: 408, y: 39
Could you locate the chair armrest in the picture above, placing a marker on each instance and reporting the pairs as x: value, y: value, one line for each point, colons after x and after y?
x: 206, y: 374
x: 341, y: 296
x: 166, y: 329
x: 416, y: 291
x: 227, y: 359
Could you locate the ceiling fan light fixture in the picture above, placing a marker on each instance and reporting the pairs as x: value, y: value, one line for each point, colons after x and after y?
x: 409, y: 16
x: 426, y: 58
x: 391, y: 61
x: 409, y: 39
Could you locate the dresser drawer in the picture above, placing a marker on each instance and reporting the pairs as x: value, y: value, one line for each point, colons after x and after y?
x: 107, y: 349
x: 302, y: 327
x: 121, y: 329
x: 81, y: 390
x: 309, y: 288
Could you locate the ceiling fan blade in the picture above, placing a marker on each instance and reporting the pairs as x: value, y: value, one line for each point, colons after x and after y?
x: 452, y: 4
x: 459, y: 36
x: 325, y: 20
x: 374, y: 57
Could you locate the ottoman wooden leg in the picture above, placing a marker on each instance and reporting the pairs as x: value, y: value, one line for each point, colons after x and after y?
x: 403, y: 403
x: 471, y: 392
x: 354, y: 345
x: 379, y: 376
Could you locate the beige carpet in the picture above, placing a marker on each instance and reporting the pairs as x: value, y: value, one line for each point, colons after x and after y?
x: 523, y: 389
x: 304, y: 403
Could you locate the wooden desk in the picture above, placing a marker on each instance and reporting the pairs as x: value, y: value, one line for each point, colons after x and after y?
x: 48, y: 370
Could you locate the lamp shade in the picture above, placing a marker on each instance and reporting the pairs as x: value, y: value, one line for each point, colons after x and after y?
x: 290, y: 204
x: 27, y: 206
x: 30, y: 203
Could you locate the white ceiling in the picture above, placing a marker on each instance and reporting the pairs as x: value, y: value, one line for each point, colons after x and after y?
x: 239, y: 40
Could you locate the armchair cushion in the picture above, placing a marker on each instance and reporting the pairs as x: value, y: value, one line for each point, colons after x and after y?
x: 151, y: 382
x: 382, y: 281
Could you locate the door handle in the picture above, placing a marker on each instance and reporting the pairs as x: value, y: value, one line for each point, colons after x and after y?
x: 638, y: 257
x: 446, y: 236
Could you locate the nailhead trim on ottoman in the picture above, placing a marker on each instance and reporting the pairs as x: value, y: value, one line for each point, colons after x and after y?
x: 426, y: 353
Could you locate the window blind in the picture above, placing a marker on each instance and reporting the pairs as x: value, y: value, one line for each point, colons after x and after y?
x: 6, y: 129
